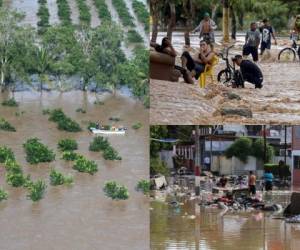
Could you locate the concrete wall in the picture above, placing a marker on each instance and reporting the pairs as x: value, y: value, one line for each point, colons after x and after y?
x: 166, y: 156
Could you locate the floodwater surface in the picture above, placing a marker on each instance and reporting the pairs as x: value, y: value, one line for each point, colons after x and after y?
x: 183, y: 228
x: 80, y: 216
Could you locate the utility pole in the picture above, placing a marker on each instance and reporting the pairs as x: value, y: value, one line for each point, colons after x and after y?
x: 285, y: 146
x: 265, y: 143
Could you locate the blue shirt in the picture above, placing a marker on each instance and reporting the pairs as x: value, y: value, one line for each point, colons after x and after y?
x: 268, y: 177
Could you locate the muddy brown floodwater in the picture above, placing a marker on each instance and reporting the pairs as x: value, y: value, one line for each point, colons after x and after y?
x: 277, y: 102
x: 81, y: 216
x: 181, y: 228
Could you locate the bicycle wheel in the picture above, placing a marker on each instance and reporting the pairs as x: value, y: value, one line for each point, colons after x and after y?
x: 224, y: 76
x: 287, y: 55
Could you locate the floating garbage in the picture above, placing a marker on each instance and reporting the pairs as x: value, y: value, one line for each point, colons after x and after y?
x: 294, y: 219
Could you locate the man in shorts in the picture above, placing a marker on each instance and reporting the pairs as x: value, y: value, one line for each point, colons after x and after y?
x: 252, y: 41
x: 252, y: 183
x: 267, y: 31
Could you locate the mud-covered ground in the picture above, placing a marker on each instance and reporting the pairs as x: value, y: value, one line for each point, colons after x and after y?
x: 277, y: 102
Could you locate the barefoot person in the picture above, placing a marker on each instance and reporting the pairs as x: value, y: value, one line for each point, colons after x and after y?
x: 252, y: 183
x: 193, y: 67
x: 267, y: 31
x: 206, y: 29
x: 252, y: 41
x: 250, y: 71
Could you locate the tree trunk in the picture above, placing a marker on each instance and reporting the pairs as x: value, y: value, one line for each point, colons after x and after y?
x: 214, y: 11
x: 155, y: 17
x: 233, y: 23
x: 172, y: 21
x: 189, y: 14
x: 240, y: 16
x: 226, y: 21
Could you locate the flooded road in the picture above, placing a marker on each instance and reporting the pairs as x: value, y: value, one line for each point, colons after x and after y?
x: 277, y: 102
x: 81, y: 216
x: 183, y: 228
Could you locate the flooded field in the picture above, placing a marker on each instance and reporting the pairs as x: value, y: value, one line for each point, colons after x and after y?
x: 80, y: 216
x: 184, y: 228
x: 277, y: 102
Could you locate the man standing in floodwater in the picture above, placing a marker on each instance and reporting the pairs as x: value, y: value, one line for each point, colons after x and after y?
x: 252, y: 41
x: 206, y: 29
x: 252, y: 183
x: 266, y: 31
x: 250, y: 71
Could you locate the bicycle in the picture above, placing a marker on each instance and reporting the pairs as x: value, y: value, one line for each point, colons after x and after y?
x: 289, y: 54
x: 229, y: 75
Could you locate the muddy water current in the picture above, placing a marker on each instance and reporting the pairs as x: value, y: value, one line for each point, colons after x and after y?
x: 80, y: 216
x: 184, y: 227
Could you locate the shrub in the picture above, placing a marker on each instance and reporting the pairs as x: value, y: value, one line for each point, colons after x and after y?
x: 115, y: 191
x: 6, y: 126
x: 134, y: 37
x: 43, y: 14
x: 98, y: 144
x: 64, y: 122
x: 3, y: 194
x: 6, y: 154
x: 84, y: 12
x: 36, y: 190
x: 91, y: 125
x: 144, y: 186
x: 123, y: 12
x: 141, y: 13
x: 86, y: 166
x: 69, y: 156
x: 115, y: 119
x: 158, y: 166
x: 67, y: 145
x: 10, y: 103
x: 37, y: 152
x: 98, y: 103
x: 103, y: 11
x: 14, y: 175
x: 64, y: 12
x: 137, y: 125
x: 57, y: 178
x: 111, y: 154
x: 258, y: 150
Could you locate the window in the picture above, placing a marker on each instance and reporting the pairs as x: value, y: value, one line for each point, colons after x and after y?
x: 297, y: 162
x: 297, y: 132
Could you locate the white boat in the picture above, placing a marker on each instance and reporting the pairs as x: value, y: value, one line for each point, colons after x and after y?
x: 118, y: 131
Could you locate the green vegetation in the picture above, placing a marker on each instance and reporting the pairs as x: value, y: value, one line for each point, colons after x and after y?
x: 5, y: 125
x: 134, y: 37
x: 84, y: 12
x: 98, y: 103
x: 43, y: 14
x: 10, y: 103
x: 123, y: 12
x: 37, y: 152
x: 69, y: 156
x: 137, y: 125
x: 64, y: 122
x: 14, y: 175
x: 103, y: 11
x: 64, y: 12
x: 36, y: 190
x: 57, y: 178
x: 144, y: 186
x: 141, y: 13
x: 100, y: 143
x: 83, y: 165
x: 115, y: 191
x: 67, y: 145
x: 3, y: 194
x: 6, y: 154
x: 115, y: 119
x: 158, y: 167
x: 244, y: 147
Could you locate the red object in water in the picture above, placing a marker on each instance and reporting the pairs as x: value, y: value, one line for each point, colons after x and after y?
x: 197, y: 171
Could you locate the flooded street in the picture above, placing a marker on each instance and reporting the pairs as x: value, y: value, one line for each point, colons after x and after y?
x: 277, y: 102
x: 183, y: 228
x: 80, y: 216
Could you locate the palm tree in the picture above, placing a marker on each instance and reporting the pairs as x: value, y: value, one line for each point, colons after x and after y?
x: 42, y: 64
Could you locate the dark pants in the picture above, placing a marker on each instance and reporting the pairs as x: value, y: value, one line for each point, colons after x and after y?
x: 257, y: 81
x: 252, y: 189
x: 247, y: 50
x: 264, y: 46
x: 268, y: 185
x: 192, y: 65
